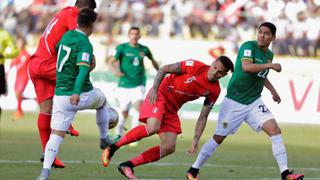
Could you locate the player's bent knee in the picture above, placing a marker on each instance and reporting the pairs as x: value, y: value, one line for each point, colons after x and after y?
x: 152, y: 129
x: 58, y: 132
x: 219, y: 139
x: 275, y: 131
x: 168, y: 149
x: 46, y: 106
x: 271, y: 127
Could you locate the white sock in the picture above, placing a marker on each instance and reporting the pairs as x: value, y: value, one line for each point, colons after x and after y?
x: 102, y: 119
x: 279, y: 152
x: 205, y: 153
x: 134, y: 118
x: 120, y: 126
x: 51, y: 150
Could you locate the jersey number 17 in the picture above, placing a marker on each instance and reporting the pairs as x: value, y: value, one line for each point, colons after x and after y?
x: 65, y: 58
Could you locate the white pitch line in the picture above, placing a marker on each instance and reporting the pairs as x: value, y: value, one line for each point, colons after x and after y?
x: 162, y: 164
x: 173, y: 164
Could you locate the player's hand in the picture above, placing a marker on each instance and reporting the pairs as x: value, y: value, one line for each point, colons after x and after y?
x: 119, y: 73
x: 276, y: 67
x: 93, y: 63
x: 194, y: 148
x: 74, y: 99
x: 276, y: 97
x: 153, y: 96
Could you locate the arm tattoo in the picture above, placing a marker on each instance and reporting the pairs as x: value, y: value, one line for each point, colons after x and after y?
x: 167, y: 69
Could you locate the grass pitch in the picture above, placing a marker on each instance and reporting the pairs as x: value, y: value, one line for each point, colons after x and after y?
x: 246, y: 155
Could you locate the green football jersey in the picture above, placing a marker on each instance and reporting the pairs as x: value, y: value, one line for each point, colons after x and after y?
x: 74, y: 49
x: 245, y: 87
x: 131, y: 64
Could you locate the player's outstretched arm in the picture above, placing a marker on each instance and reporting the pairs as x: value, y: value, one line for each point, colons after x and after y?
x: 249, y: 67
x: 200, y: 126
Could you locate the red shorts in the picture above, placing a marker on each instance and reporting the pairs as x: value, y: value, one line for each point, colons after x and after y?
x: 43, y: 75
x: 162, y: 111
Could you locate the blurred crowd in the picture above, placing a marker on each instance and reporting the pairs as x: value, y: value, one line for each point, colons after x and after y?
x: 298, y: 21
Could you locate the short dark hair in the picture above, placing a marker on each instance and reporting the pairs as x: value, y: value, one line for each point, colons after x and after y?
x: 134, y: 28
x: 269, y: 25
x: 86, y: 17
x: 86, y: 4
x: 227, y: 63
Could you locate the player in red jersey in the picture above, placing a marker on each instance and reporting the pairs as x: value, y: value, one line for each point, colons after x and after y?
x: 21, y: 63
x: 188, y: 81
x: 42, y: 66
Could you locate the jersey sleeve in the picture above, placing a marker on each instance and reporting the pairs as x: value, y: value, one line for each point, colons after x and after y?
x: 85, y: 53
x: 211, y: 100
x: 118, y: 54
x: 190, y: 66
x: 246, y: 51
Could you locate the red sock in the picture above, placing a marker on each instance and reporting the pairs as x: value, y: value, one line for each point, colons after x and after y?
x: 44, y: 128
x: 133, y: 135
x: 150, y: 155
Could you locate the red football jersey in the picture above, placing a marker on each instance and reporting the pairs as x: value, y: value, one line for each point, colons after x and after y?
x: 63, y: 21
x: 21, y: 62
x: 190, y: 85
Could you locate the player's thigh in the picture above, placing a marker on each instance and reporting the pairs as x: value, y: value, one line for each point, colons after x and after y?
x: 170, y: 122
x: 258, y: 115
x: 123, y: 98
x: 44, y: 68
x: 156, y: 110
x: 44, y: 89
x: 48, y: 69
x: 93, y: 99
x: 62, y: 113
x: 232, y: 114
x: 137, y: 94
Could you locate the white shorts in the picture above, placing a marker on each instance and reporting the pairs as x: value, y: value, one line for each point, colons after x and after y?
x: 128, y: 96
x: 63, y: 112
x: 234, y: 113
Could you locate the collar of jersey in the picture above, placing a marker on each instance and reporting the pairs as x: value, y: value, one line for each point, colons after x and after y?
x: 81, y: 31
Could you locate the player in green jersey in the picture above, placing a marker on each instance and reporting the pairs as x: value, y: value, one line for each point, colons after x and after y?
x: 129, y: 66
x: 243, y: 102
x: 74, y: 90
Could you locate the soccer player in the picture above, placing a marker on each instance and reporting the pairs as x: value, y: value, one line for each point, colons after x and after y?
x: 188, y: 80
x: 74, y: 90
x: 129, y: 66
x: 42, y: 66
x: 243, y: 102
x: 8, y: 49
x: 21, y: 63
